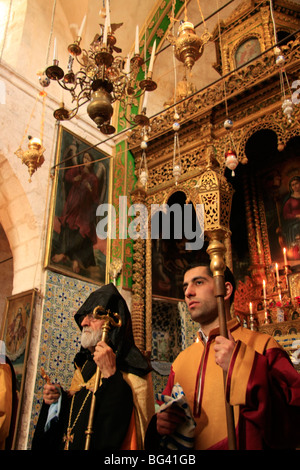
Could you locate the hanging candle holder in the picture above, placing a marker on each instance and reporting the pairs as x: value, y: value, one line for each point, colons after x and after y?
x: 176, y: 151
x: 145, y: 137
x: 33, y: 156
x: 231, y: 160
x: 287, y: 108
x: 280, y: 59
x: 228, y: 124
x: 287, y: 104
x: 143, y: 170
x: 44, y: 81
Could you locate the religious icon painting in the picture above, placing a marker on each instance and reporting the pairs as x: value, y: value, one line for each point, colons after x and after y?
x: 15, y: 340
x: 281, y: 199
x: 81, y: 185
x: 247, y: 51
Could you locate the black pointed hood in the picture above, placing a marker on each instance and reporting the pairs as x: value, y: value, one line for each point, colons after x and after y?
x: 129, y: 357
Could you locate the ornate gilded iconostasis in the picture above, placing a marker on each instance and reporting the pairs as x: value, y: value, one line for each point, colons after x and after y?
x: 246, y: 126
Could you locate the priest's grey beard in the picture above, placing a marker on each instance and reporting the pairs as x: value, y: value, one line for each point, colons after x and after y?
x: 90, y: 337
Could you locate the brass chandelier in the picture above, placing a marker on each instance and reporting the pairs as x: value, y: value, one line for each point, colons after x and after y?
x: 103, y: 77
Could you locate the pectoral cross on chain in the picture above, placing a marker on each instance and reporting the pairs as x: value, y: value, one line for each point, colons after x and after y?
x: 68, y: 438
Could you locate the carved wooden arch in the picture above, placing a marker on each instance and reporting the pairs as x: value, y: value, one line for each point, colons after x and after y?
x: 275, y: 122
x: 141, y: 307
x: 159, y: 197
x: 162, y: 197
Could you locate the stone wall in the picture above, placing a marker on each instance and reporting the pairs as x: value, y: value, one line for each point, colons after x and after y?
x: 24, y: 205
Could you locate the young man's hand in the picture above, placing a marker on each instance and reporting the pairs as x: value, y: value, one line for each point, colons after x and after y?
x: 224, y: 348
x: 169, y: 419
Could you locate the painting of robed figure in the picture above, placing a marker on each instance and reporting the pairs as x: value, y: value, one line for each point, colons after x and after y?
x: 281, y: 198
x: 81, y: 185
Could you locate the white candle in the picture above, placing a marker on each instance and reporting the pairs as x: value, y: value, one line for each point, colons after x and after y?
x: 54, y: 50
x: 152, y: 57
x: 127, y: 65
x: 82, y: 26
x: 105, y: 31
x: 145, y: 99
x: 137, y: 46
x: 284, y: 256
x: 264, y: 289
x: 35, y: 143
x: 36, y: 140
x: 250, y: 307
x: 107, y: 14
x: 277, y: 272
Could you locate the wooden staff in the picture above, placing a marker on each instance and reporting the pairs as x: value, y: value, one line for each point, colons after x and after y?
x: 109, y: 321
x: 216, y: 251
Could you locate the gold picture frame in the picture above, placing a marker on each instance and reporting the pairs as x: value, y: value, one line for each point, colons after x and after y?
x: 81, y: 184
x: 15, y: 333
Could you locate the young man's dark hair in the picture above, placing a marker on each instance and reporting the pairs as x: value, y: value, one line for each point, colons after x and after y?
x: 228, y: 276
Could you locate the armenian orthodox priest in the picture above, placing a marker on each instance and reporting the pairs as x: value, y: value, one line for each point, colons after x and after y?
x: 124, y: 400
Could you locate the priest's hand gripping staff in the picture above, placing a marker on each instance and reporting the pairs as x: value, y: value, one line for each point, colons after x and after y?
x: 110, y: 321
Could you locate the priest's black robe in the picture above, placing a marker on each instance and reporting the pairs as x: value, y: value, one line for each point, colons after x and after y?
x: 113, y: 410
x: 114, y: 403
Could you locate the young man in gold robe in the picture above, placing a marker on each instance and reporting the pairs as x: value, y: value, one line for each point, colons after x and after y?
x: 262, y: 385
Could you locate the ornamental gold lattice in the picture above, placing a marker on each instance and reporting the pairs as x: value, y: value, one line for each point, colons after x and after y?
x: 215, y: 193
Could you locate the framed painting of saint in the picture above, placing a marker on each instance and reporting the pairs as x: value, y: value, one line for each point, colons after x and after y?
x: 81, y: 185
x: 247, y: 51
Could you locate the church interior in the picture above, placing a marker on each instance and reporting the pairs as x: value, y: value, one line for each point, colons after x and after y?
x: 186, y: 104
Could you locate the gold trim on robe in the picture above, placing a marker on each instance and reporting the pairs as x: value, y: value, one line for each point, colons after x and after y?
x: 143, y: 399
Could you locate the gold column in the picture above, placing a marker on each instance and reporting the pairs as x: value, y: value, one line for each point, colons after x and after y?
x: 265, y: 16
x: 138, y: 278
x: 226, y: 66
x: 258, y: 270
x: 250, y: 225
